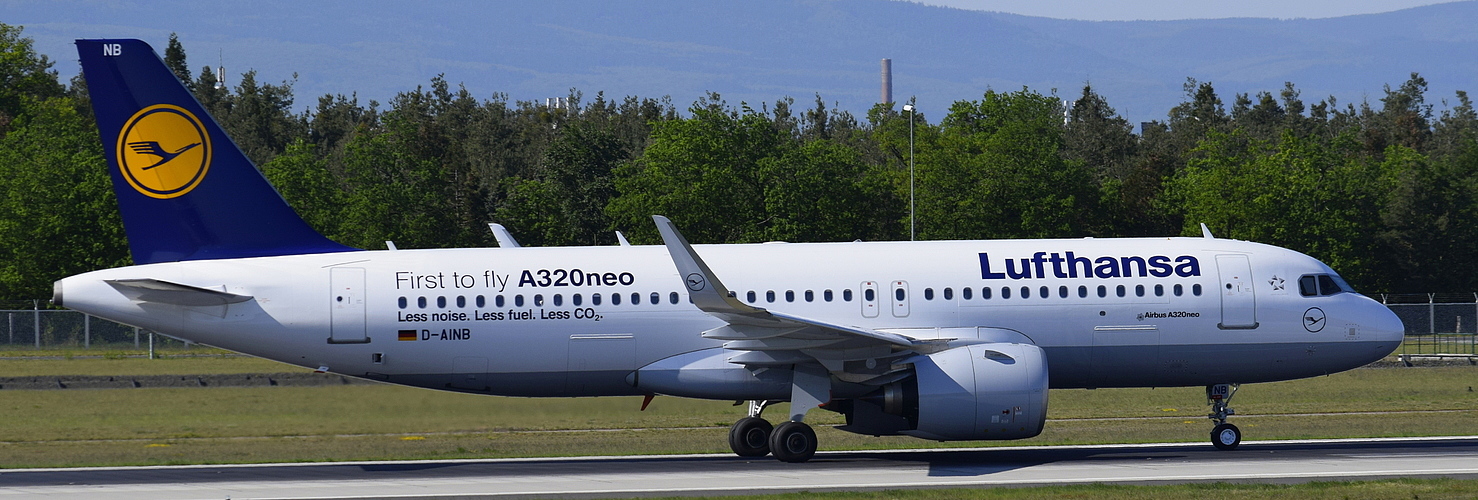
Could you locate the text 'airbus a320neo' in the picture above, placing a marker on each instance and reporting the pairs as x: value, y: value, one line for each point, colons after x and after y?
x: 941, y: 340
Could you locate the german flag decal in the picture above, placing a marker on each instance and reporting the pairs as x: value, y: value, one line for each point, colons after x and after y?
x: 407, y: 335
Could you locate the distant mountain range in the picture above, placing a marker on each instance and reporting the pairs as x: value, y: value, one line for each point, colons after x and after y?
x: 760, y: 51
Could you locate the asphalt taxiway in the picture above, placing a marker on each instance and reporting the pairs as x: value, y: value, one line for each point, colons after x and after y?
x: 597, y: 477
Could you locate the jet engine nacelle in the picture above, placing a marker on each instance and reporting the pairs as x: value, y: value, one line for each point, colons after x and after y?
x: 976, y: 392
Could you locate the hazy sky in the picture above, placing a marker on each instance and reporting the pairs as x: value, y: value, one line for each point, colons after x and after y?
x: 1129, y: 10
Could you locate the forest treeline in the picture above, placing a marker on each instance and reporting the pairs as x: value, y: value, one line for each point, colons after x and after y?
x: 1382, y: 191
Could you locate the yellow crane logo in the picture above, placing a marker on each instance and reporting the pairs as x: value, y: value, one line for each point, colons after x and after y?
x: 163, y: 151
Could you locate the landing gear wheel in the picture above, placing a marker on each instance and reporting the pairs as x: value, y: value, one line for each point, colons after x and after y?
x: 750, y: 437
x: 1226, y: 437
x: 793, y: 442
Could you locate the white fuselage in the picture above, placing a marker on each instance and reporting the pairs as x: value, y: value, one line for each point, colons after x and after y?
x: 578, y: 321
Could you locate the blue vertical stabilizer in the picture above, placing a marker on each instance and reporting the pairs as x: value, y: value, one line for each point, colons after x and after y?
x: 185, y: 190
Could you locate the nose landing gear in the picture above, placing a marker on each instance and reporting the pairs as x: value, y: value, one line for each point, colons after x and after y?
x: 1224, y: 436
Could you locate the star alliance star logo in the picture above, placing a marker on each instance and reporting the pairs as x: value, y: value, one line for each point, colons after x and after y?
x: 1277, y: 283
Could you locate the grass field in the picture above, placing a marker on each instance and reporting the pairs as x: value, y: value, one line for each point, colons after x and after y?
x: 371, y: 422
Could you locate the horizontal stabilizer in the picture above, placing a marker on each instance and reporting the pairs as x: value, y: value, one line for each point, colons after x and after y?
x: 164, y: 292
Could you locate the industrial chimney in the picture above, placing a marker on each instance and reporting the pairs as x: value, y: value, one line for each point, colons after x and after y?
x: 887, y: 81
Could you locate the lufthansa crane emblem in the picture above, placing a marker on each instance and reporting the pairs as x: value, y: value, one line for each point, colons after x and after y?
x: 163, y: 151
x: 1314, y: 319
x: 696, y: 282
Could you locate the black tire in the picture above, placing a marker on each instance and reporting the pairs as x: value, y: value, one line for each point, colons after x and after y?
x: 750, y: 437
x: 793, y: 442
x: 1226, y: 437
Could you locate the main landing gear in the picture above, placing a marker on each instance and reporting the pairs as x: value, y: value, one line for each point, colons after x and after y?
x: 752, y: 436
x: 1224, y: 436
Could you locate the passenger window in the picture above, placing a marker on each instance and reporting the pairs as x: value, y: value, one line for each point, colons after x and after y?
x: 1179, y: 290
x: 769, y: 295
x: 672, y: 297
x: 483, y: 302
x: 1138, y: 290
x: 1062, y: 291
x: 441, y: 302
x: 575, y: 299
x: 1082, y: 292
x: 558, y: 300
x: 538, y: 300
x: 827, y: 295
x: 615, y: 299
x: 984, y: 293
x: 635, y: 299
x: 498, y: 300
x: 790, y: 295
x: 421, y: 302
x: 965, y: 293
x: 402, y: 302
x: 1196, y: 289
x: 810, y: 296
x: 1102, y: 291
x: 1043, y: 292
x: 949, y: 294
x: 1005, y: 292
x: 518, y: 300
x: 1026, y: 292
x: 928, y: 294
x: 1119, y: 290
x: 1159, y: 290
x: 656, y: 298
x: 750, y: 296
x: 847, y: 295
x: 1327, y: 285
x: 594, y: 299
x: 461, y: 301
x: 899, y: 295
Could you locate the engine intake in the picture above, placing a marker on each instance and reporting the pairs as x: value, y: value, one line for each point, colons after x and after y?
x: 976, y: 392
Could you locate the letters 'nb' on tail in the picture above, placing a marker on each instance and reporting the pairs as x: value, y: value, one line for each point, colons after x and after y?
x: 185, y: 190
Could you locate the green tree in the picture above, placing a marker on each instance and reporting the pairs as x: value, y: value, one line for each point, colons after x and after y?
x: 566, y: 205
x: 174, y: 58
x: 58, y: 216
x: 259, y: 118
x: 24, y: 75
x: 1297, y: 194
x: 823, y: 191
x: 703, y: 172
x: 997, y: 172
x: 303, y: 179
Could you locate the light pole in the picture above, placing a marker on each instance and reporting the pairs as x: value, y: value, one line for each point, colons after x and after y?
x: 911, y: 233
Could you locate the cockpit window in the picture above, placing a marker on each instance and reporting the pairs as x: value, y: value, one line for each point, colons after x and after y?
x: 1322, y: 284
x: 1307, y: 286
x: 1327, y: 285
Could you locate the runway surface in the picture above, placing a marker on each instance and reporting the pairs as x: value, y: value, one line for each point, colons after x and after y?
x: 1270, y: 461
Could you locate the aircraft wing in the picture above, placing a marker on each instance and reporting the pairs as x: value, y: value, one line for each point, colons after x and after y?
x: 768, y: 338
x: 165, y: 292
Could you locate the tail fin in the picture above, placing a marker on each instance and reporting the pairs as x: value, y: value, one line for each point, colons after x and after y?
x: 185, y: 190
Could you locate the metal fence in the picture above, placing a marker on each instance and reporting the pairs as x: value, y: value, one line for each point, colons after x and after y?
x: 1437, y: 324
x: 41, y: 328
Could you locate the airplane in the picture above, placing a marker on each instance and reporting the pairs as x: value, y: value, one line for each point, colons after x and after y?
x: 939, y: 340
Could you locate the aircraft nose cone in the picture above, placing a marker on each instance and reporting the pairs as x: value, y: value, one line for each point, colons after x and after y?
x: 1385, y: 325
